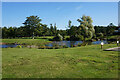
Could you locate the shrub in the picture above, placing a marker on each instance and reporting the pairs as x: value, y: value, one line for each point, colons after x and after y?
x: 36, y: 37
x: 84, y: 44
x: 99, y: 35
x: 57, y: 47
x: 79, y: 44
x: 89, y: 42
x: 74, y: 45
x: 64, y: 46
x: 71, y: 45
x: 42, y: 47
x: 76, y: 37
x: 19, y: 46
x: 58, y: 38
x: 51, y: 48
x: 24, y: 44
x: 54, y: 44
x: 67, y: 39
x: 47, y: 47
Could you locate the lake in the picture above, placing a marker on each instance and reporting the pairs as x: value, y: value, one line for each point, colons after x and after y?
x: 67, y: 43
x: 8, y: 45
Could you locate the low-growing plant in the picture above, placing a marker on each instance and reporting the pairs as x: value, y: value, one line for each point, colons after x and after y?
x: 84, y: 44
x: 64, y: 46
x: 57, y: 47
x: 19, y: 46
x: 79, y: 44
x: 54, y: 44
x: 71, y: 45
x: 58, y: 37
x: 47, y: 47
x: 50, y: 48
x: 74, y: 45
x: 89, y: 42
x: 24, y: 44
x: 42, y: 47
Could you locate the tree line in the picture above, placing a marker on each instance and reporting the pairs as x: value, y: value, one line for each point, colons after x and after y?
x: 33, y: 27
x: 18, y: 32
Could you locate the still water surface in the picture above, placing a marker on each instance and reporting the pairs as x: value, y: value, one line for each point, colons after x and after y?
x: 67, y: 43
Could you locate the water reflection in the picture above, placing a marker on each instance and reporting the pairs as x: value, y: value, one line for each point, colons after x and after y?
x: 71, y: 43
x: 8, y: 45
x: 62, y: 43
x: 57, y: 43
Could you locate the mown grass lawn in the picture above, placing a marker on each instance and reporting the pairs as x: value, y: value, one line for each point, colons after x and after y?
x: 26, y: 41
x: 78, y: 62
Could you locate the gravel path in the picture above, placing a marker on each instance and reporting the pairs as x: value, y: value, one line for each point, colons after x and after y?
x: 113, y: 49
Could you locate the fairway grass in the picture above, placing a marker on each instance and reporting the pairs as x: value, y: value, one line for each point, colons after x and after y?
x: 78, y: 62
x: 26, y: 41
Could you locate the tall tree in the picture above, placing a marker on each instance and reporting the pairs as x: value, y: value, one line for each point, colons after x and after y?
x: 69, y: 26
x: 45, y: 29
x: 86, y: 27
x: 69, y: 23
x: 110, y: 29
x: 32, y: 22
x: 55, y: 29
x: 51, y: 30
x: 11, y: 32
x: 4, y: 32
x: 22, y: 32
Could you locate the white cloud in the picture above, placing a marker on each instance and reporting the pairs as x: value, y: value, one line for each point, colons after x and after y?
x: 58, y: 8
x: 78, y: 8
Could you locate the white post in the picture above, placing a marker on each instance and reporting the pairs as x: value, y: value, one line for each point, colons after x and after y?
x: 102, y: 45
x: 117, y: 43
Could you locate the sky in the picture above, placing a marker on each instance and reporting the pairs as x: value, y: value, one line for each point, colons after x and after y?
x: 59, y: 0
x: 119, y: 14
x: 102, y: 13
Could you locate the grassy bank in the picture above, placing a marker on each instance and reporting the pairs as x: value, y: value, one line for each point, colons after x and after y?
x: 29, y: 40
x: 26, y: 41
x: 79, y: 62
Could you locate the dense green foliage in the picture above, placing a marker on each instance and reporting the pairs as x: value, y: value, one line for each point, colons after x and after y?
x: 31, y: 23
x: 86, y: 28
x: 83, y: 31
x: 43, y: 30
x: 107, y: 31
x: 34, y: 28
x: 58, y: 37
x: 79, y: 62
